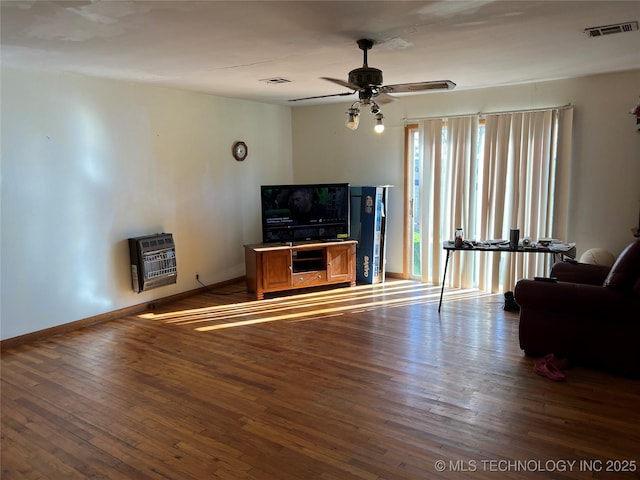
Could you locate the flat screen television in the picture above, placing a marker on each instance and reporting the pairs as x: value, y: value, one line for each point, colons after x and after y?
x: 305, y: 212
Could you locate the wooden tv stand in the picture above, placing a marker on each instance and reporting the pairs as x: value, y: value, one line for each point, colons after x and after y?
x: 275, y: 267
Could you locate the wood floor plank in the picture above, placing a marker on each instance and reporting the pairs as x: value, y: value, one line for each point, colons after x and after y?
x: 364, y: 383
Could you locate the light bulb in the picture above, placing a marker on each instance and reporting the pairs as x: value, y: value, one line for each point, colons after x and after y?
x: 353, y: 119
x: 379, y: 128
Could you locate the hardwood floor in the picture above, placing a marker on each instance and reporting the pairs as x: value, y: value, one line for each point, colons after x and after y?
x: 363, y: 383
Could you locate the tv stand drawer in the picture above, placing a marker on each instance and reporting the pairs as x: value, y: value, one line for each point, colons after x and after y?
x: 309, y: 279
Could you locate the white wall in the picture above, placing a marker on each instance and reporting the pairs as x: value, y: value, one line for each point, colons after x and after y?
x: 87, y: 163
x: 605, y: 195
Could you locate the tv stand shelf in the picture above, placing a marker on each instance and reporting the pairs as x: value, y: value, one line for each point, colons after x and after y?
x: 278, y: 267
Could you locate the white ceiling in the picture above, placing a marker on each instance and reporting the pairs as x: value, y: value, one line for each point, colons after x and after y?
x: 227, y: 48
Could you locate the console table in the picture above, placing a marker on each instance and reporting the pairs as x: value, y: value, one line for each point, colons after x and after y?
x: 498, y: 248
x: 274, y: 267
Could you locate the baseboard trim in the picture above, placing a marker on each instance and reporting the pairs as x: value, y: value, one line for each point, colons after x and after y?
x: 105, y: 317
x: 400, y: 276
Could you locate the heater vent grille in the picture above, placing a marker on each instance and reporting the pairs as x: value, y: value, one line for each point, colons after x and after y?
x: 153, y: 261
x: 611, y: 29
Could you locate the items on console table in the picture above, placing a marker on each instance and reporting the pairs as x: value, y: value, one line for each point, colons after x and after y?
x: 551, y: 246
x: 275, y: 267
x: 555, y: 247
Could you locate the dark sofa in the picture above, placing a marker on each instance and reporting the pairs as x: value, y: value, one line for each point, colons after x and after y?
x: 590, y: 315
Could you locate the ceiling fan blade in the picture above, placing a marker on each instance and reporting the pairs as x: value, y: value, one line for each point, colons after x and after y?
x: 418, y: 87
x: 383, y: 98
x: 323, y: 96
x: 342, y: 82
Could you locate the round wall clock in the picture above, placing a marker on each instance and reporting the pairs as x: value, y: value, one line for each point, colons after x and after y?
x: 240, y: 151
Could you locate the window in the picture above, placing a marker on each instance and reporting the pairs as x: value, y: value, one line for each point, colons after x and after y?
x: 486, y: 175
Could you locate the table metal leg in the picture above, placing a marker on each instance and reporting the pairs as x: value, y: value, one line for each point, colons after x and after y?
x: 446, y: 262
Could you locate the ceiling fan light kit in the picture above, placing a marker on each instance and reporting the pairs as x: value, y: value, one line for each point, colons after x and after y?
x: 353, y: 116
x: 367, y: 81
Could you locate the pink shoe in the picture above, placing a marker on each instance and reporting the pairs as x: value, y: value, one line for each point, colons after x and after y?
x: 559, y: 363
x: 549, y: 370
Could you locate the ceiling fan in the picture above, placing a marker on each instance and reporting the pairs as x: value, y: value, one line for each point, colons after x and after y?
x: 367, y: 81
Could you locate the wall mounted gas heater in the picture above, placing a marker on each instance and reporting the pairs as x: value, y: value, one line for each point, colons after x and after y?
x: 153, y: 261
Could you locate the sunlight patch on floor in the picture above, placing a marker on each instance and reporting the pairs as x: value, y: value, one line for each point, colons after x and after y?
x: 314, y: 305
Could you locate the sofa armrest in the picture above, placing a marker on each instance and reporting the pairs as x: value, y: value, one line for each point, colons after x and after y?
x: 571, y: 298
x: 580, y: 273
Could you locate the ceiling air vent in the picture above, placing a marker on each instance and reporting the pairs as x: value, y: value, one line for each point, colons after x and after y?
x: 610, y: 29
x: 275, y: 80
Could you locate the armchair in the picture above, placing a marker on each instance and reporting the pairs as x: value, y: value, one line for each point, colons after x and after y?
x: 590, y: 314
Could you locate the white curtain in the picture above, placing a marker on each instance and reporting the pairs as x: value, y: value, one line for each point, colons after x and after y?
x: 449, y: 175
x: 518, y: 177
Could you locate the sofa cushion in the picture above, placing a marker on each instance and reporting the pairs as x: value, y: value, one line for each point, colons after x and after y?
x: 625, y: 272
